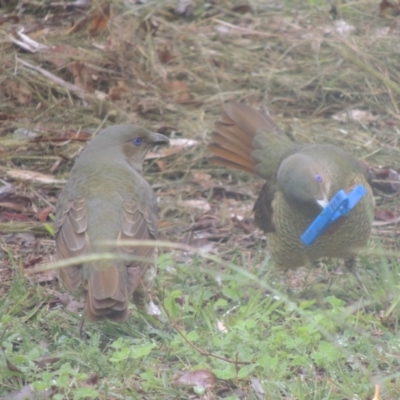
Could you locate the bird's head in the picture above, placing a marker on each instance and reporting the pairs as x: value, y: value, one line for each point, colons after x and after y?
x: 304, y: 180
x: 125, y: 141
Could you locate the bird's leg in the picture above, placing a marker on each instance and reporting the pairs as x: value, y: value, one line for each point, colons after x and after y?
x: 141, y: 294
x: 81, y: 323
x: 140, y: 298
x: 351, y: 265
x: 321, y: 265
x: 296, y: 278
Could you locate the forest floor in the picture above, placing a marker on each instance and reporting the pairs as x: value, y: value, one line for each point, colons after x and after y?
x: 225, y: 323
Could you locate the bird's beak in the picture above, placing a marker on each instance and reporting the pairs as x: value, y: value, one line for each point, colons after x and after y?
x: 323, y: 202
x: 158, y: 138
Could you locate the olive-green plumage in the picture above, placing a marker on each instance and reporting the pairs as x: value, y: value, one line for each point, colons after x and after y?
x: 301, y: 179
x: 107, y: 199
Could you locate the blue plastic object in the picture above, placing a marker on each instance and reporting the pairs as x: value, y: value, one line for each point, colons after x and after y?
x: 340, y: 205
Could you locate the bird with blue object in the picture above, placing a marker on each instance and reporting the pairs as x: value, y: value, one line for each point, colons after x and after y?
x: 303, y: 182
x: 340, y: 205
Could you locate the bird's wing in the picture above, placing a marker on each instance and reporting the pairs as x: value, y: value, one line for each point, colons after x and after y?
x: 263, y: 208
x: 139, y: 222
x: 71, y: 239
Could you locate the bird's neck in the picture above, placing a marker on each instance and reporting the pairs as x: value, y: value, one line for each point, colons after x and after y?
x: 308, y: 209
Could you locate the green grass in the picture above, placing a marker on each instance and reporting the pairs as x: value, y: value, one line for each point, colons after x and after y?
x: 297, y: 347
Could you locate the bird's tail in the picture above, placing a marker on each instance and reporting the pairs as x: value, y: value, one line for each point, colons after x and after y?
x: 233, y: 141
x: 107, y: 295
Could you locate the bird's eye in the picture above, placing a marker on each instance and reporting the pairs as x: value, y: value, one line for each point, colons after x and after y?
x: 137, y: 141
x: 318, y: 178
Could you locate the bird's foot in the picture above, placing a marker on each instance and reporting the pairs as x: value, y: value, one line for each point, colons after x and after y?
x: 351, y: 265
x: 82, y: 334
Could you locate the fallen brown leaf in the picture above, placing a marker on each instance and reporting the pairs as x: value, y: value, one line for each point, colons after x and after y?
x: 7, y: 117
x: 384, y: 215
x: 242, y: 9
x: 46, y: 360
x: 10, y: 17
x: 99, y: 18
x: 14, y: 201
x: 386, y: 7
x: 19, y: 91
x: 119, y: 91
x: 82, y: 76
x: 387, y: 179
x: 11, y: 367
x: 200, y: 377
x: 92, y: 380
x: 63, y: 137
x: 179, y: 91
x: 15, y: 217
x: 96, y: 22
x: 43, y: 214
x: 165, y: 56
x: 162, y: 164
x: 60, y: 55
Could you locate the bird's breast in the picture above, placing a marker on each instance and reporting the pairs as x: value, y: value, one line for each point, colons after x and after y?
x: 348, y: 233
